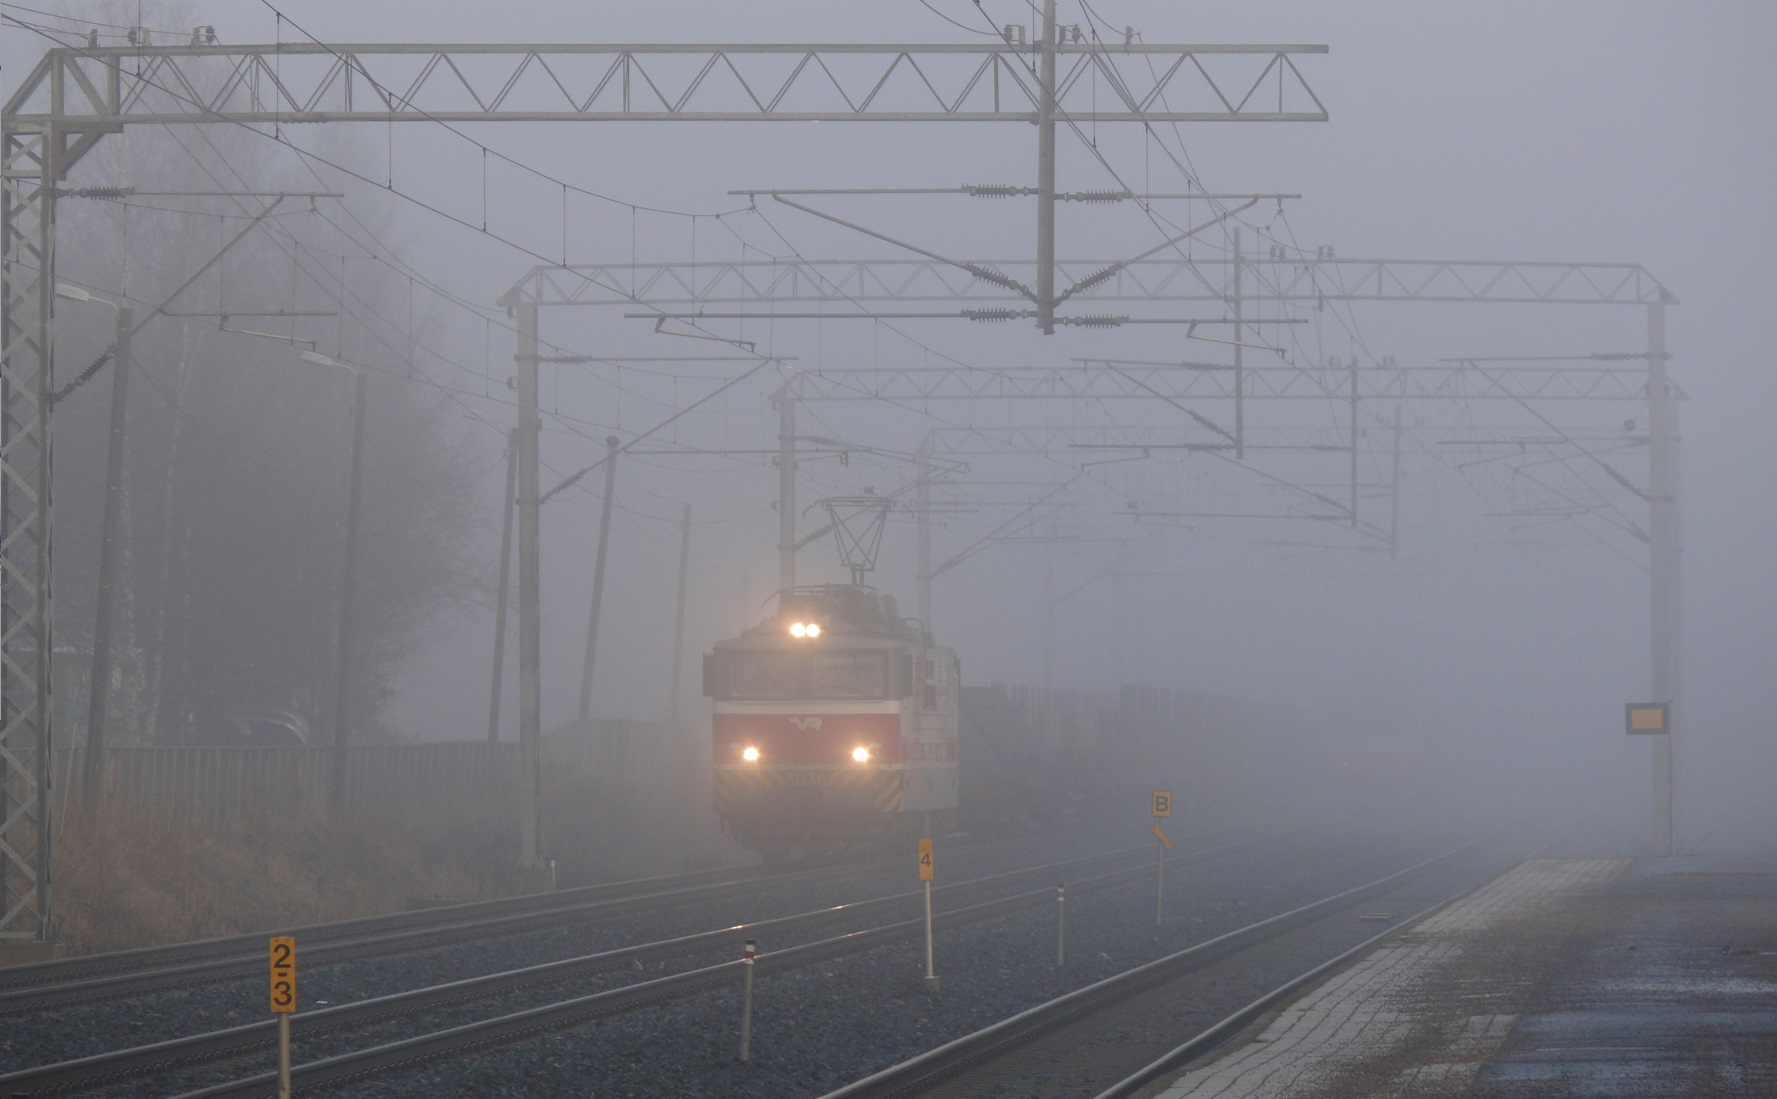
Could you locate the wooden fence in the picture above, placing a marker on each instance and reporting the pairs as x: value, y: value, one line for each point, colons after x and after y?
x: 439, y: 782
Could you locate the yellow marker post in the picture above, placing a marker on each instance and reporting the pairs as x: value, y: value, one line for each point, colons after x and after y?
x: 1162, y: 804
x: 283, y: 1002
x: 925, y: 875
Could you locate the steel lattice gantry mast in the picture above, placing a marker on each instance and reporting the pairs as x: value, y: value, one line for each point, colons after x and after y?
x: 74, y: 96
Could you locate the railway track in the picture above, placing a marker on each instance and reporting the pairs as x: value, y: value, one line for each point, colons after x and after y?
x: 42, y: 985
x: 120, y: 1067
x: 119, y: 975
x: 1111, y: 1039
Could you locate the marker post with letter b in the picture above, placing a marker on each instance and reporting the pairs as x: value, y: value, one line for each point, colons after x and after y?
x: 1162, y: 810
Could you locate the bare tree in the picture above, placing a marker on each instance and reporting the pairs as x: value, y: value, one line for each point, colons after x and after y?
x: 237, y: 451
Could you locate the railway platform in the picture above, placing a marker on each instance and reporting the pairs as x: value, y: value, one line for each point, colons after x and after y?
x: 1579, y: 978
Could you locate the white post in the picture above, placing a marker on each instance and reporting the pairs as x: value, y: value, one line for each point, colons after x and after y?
x: 1160, y: 887
x: 931, y: 974
x: 283, y: 1057
x: 746, y: 1001
x: 1060, y: 926
x: 927, y: 869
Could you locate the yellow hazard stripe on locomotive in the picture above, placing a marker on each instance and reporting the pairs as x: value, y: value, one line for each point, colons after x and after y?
x: 810, y: 792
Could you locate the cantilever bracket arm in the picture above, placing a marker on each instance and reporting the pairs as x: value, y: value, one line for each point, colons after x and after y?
x: 1201, y: 419
x: 1104, y: 273
x: 994, y: 534
x: 985, y: 274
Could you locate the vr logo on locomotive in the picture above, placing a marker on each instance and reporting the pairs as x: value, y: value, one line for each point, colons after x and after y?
x: 806, y: 723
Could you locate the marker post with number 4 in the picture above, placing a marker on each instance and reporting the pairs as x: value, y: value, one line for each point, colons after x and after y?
x: 1162, y: 810
x: 283, y: 1002
x: 925, y: 876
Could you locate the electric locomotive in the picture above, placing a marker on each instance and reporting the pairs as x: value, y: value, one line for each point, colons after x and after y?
x: 835, y: 725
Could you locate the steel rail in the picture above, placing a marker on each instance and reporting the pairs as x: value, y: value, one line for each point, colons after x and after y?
x: 333, y: 950
x: 81, y: 1075
x: 134, y: 972
x: 1185, y: 1052
x: 518, y: 1026
x: 69, y: 970
x: 938, y: 1065
x: 1200, y: 1044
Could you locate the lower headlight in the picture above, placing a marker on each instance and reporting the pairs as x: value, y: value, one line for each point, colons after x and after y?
x: 861, y: 754
x: 750, y: 754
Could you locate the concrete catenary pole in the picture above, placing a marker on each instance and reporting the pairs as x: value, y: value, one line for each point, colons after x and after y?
x: 1239, y: 354
x: 1394, y: 494
x: 786, y: 485
x: 342, y: 679
x: 672, y: 706
x: 493, y: 702
x: 530, y: 633
x: 922, y: 496
x: 1046, y: 175
x: 1664, y: 574
x: 101, y: 669
x: 1045, y: 718
x: 598, y: 583
x: 1355, y: 431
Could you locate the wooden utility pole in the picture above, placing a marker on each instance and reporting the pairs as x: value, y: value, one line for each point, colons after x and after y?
x: 493, y: 705
x: 598, y: 582
x: 99, y: 692
x: 342, y: 680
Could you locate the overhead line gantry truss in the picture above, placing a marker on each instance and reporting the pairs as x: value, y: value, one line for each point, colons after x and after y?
x: 84, y: 89
x: 76, y: 95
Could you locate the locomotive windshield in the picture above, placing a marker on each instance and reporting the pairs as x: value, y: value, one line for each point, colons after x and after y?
x: 782, y: 676
x: 760, y: 675
x: 848, y: 675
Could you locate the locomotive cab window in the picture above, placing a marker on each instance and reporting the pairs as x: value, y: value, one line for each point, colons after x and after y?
x: 848, y: 675
x: 759, y: 675
x: 781, y: 676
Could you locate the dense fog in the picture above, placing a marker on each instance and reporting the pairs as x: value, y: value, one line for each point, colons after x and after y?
x: 1485, y: 614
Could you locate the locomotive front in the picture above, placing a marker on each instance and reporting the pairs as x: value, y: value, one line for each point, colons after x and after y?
x: 835, y: 725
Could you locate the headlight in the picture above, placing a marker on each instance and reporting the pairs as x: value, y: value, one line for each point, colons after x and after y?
x: 861, y: 754
x: 814, y: 629
x: 750, y: 754
x: 798, y: 630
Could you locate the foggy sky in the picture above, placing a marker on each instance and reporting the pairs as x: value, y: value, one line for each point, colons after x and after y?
x: 1629, y: 132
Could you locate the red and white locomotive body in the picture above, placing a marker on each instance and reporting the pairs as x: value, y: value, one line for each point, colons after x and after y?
x: 835, y: 724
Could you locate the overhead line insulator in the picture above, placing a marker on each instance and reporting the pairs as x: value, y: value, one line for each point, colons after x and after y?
x: 997, y: 190
x: 988, y: 274
x: 1097, y: 277
x: 110, y: 193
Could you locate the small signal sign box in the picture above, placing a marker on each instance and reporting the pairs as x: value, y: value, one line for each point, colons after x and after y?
x: 1163, y: 803
x: 1649, y: 718
x: 283, y: 974
x: 925, y: 860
